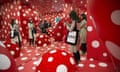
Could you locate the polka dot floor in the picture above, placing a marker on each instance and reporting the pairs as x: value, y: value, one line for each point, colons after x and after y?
x: 103, y: 42
x: 30, y: 57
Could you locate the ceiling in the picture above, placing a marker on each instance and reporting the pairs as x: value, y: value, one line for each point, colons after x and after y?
x: 4, y: 1
x: 50, y: 5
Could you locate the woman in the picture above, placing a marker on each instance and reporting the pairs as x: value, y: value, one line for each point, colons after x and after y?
x: 83, y: 33
x: 30, y: 32
x: 12, y: 28
x: 71, y: 27
x: 15, y: 32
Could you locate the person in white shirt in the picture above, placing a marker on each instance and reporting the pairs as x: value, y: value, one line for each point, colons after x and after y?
x: 30, y: 32
x: 15, y: 36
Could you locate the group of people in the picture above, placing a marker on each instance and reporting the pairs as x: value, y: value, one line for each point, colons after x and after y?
x: 79, y: 23
x: 15, y: 35
x: 44, y: 25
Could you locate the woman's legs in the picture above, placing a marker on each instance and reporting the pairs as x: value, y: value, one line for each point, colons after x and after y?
x: 84, y: 48
x: 33, y: 41
x: 75, y: 50
x: 30, y: 41
x: 19, y: 42
x: 76, y: 54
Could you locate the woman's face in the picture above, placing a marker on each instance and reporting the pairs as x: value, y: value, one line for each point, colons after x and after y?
x: 30, y: 20
x: 81, y: 17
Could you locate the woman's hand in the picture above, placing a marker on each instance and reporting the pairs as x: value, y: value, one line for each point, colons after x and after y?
x: 78, y: 26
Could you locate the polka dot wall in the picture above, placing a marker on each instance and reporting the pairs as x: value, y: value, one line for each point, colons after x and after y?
x: 9, y: 11
x: 105, y: 20
x: 103, y: 42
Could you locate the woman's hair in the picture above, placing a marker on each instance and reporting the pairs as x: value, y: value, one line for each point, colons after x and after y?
x: 12, y: 22
x: 84, y: 16
x: 30, y: 20
x: 73, y: 15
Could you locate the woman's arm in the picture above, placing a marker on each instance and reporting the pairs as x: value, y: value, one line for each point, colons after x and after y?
x: 30, y: 25
x: 71, y: 26
x: 83, y: 24
x: 12, y: 27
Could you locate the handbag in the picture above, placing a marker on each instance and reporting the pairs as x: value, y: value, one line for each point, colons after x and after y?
x: 72, y: 37
x: 12, y: 34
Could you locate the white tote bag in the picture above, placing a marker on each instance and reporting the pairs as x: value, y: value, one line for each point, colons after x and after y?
x: 72, y: 37
x: 12, y: 34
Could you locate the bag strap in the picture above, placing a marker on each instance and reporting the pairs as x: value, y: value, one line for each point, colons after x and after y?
x: 75, y: 28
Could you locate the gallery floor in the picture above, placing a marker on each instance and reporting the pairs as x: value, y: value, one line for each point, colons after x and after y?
x: 29, y: 57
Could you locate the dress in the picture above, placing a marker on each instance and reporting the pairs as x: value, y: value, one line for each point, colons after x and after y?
x: 30, y: 28
x: 70, y: 27
x: 83, y: 31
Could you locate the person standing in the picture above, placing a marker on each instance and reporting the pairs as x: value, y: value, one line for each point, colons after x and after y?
x: 12, y: 28
x: 83, y: 33
x: 42, y: 26
x: 30, y: 32
x: 15, y: 32
x: 71, y: 27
